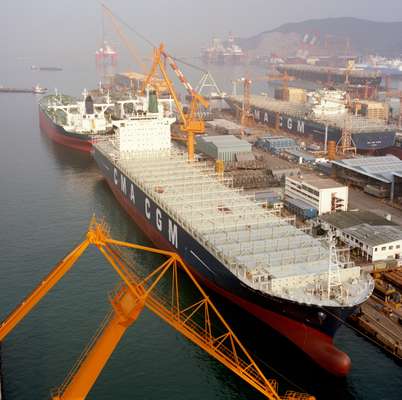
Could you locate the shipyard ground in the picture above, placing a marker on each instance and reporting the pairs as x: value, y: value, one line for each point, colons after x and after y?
x: 382, y: 321
x: 363, y: 201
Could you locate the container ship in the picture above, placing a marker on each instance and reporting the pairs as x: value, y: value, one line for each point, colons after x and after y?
x: 234, y: 246
x: 36, y: 68
x: 323, y: 118
x: 223, y: 52
x: 73, y: 123
x: 315, y: 73
x: 35, y: 90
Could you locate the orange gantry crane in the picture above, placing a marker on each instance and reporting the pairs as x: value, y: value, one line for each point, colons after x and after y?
x: 190, y: 122
x: 246, y: 116
x: 197, y: 320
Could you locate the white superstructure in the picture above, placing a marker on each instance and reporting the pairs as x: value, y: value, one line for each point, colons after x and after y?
x: 83, y: 116
x: 328, y: 103
x: 326, y: 195
x: 141, y: 130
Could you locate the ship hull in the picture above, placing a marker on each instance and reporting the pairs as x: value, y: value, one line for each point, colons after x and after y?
x: 336, y: 77
x: 58, y: 134
x: 310, y: 327
x: 364, y: 141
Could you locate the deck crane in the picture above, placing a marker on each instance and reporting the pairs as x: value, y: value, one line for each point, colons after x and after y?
x: 190, y: 123
x: 196, y: 320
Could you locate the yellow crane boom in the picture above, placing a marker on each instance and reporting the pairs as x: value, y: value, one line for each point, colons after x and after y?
x: 189, y: 122
x: 130, y: 47
x: 196, y: 320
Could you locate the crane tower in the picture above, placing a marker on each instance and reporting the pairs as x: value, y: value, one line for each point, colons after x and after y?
x: 106, y: 61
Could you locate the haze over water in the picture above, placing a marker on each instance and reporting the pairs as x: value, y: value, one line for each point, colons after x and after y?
x: 47, y: 196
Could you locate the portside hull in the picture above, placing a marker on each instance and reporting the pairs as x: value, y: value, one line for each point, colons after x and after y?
x: 365, y: 141
x: 338, y: 77
x: 310, y: 327
x: 58, y: 134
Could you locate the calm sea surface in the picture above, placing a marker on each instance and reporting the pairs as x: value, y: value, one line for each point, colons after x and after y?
x: 47, y: 196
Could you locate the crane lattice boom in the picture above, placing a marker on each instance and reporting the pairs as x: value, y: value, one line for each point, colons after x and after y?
x: 190, y: 122
x: 160, y: 292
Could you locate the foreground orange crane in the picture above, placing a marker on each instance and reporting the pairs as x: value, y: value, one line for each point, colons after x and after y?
x: 195, y: 320
x: 190, y: 123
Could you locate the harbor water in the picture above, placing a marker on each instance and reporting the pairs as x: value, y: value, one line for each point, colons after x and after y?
x: 47, y: 196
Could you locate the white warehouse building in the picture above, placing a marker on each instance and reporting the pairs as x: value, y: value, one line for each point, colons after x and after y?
x: 374, y: 237
x: 326, y: 195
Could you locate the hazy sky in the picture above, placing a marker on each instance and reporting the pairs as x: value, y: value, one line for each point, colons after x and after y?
x: 70, y: 29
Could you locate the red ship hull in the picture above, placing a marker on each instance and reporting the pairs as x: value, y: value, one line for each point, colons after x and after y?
x: 59, y: 135
x: 317, y: 345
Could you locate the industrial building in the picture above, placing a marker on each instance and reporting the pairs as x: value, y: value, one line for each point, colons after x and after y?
x: 300, y: 208
x: 224, y: 147
x: 374, y: 237
x: 276, y: 144
x: 371, y: 109
x: 378, y: 176
x: 299, y: 156
x: 325, y: 195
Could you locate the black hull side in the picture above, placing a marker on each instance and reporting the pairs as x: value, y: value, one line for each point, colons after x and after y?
x: 309, y: 326
x: 364, y: 141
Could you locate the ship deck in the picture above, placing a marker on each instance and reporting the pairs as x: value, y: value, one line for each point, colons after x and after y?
x: 263, y: 250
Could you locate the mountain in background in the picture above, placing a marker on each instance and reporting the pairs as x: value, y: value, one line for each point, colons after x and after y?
x: 340, y: 34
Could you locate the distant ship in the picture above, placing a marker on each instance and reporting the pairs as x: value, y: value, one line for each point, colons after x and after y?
x: 220, y: 52
x: 262, y: 263
x: 73, y: 123
x: 339, y: 76
x: 34, y: 67
x: 36, y: 90
x: 384, y: 66
x: 323, y: 118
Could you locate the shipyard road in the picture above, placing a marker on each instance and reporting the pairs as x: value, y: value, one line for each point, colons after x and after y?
x: 362, y: 201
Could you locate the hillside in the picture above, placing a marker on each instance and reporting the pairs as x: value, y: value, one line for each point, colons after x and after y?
x: 384, y: 38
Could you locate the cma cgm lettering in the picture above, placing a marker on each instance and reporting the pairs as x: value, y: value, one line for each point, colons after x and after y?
x: 147, y: 207
x: 370, y: 140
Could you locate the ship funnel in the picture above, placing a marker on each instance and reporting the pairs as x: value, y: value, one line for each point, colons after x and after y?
x: 152, y: 102
x: 89, y: 105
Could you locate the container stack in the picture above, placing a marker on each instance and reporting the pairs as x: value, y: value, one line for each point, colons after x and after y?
x: 293, y: 95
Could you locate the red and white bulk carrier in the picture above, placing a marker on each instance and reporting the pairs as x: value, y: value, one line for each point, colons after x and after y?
x: 73, y: 123
x: 286, y: 278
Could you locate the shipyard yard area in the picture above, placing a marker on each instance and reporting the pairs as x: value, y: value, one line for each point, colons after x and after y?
x: 232, y: 169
